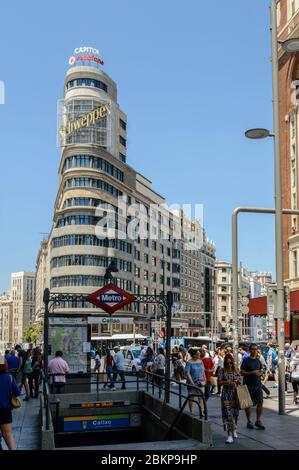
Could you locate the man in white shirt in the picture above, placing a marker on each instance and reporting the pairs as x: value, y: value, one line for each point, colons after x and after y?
x: 119, y: 366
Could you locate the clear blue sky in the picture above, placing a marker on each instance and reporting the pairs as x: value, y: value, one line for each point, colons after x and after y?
x: 192, y: 76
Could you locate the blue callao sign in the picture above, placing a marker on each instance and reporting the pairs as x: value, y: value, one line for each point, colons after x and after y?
x: 92, y: 423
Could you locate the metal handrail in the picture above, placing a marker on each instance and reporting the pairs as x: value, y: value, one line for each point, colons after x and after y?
x: 180, y: 395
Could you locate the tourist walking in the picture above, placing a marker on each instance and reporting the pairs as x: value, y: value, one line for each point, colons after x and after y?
x: 8, y: 387
x: 108, y: 368
x: 252, y: 371
x: 27, y: 370
x: 196, y: 380
x: 272, y: 361
x: 21, y: 380
x: 14, y: 363
x: 229, y: 378
x: 159, y: 366
x: 119, y: 367
x: 174, y: 358
x: 180, y: 364
x: 218, y: 362
x: 33, y: 378
x: 294, y: 370
x: 57, y: 366
x: 209, y: 369
x: 149, y: 361
x: 97, y: 361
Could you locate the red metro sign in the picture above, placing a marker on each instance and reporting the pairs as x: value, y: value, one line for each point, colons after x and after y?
x: 110, y: 298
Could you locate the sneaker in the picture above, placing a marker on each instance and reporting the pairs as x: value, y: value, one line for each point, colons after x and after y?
x: 26, y: 399
x: 250, y: 425
x: 235, y: 435
x: 275, y: 386
x: 259, y: 425
x: 229, y: 440
x: 112, y: 388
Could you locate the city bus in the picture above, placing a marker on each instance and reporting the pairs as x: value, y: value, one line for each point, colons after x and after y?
x: 198, y: 341
x: 102, y: 342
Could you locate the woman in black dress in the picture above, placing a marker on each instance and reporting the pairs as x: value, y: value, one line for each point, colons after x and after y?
x: 229, y: 377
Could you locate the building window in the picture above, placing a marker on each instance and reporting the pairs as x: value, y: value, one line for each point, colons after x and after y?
x: 122, y: 157
x: 92, y: 182
x: 90, y: 260
x: 295, y: 267
x: 294, y: 225
x: 122, y: 141
x: 292, y: 126
x: 89, y: 161
x: 92, y: 240
x: 86, y: 82
x: 81, y: 280
x: 294, y: 202
x: 123, y: 124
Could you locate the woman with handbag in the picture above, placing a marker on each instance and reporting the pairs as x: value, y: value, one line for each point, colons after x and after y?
x: 229, y: 377
x: 196, y: 379
x: 8, y: 391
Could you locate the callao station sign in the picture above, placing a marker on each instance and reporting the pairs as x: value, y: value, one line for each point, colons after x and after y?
x: 86, y: 54
x: 110, y: 298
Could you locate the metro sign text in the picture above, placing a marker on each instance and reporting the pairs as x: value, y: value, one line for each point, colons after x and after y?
x: 110, y: 298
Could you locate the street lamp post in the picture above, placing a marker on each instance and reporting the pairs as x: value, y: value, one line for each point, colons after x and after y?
x: 291, y: 45
x: 278, y: 212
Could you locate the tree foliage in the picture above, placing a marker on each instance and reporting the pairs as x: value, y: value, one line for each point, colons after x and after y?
x: 32, y: 332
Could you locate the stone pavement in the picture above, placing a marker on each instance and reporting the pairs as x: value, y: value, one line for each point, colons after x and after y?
x: 26, y: 425
x: 281, y: 430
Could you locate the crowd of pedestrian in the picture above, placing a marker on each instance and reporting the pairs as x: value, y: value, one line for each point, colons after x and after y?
x: 20, y: 369
x: 203, y: 372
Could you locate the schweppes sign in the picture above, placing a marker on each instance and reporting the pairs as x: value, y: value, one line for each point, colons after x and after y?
x: 85, y: 120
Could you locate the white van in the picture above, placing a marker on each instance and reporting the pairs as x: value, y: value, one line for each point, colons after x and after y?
x: 132, y: 358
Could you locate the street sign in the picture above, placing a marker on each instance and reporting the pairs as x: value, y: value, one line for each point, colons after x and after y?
x: 244, y: 309
x: 259, y: 334
x: 110, y: 298
x: 111, y: 320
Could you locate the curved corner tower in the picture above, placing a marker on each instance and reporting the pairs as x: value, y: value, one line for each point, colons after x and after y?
x: 92, y: 173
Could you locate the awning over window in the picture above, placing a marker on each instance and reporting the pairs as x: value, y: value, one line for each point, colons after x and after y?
x: 258, y: 306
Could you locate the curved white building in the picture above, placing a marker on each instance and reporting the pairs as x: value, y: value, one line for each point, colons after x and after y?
x: 93, y: 172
